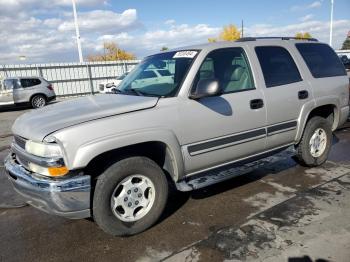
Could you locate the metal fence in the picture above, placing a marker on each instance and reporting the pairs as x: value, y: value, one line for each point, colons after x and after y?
x: 71, y: 78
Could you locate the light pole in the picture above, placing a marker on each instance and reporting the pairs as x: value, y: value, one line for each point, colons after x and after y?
x: 77, y: 32
x: 331, y: 24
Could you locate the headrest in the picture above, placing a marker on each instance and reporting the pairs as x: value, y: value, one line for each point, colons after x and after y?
x: 234, y: 73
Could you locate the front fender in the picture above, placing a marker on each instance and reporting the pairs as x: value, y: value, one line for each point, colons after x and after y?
x: 88, y: 151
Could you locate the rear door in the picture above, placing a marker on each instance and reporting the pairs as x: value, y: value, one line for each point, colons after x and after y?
x: 286, y: 92
x: 25, y: 88
x: 6, y: 92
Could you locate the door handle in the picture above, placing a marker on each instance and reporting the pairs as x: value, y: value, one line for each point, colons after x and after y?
x: 256, y: 103
x: 303, y: 94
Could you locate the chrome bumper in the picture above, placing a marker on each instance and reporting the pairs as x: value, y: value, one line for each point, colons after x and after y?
x: 66, y: 197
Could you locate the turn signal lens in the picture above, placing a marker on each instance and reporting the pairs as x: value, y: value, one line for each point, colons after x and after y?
x: 48, y: 171
x: 58, y: 171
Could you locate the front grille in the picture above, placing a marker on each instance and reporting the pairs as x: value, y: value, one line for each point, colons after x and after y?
x: 23, y: 162
x: 21, y: 142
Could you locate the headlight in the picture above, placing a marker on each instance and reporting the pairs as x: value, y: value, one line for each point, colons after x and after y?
x: 47, y: 150
x: 43, y: 150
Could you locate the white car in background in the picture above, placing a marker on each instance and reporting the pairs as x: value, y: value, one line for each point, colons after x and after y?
x: 159, y: 76
x: 107, y: 87
x: 153, y: 76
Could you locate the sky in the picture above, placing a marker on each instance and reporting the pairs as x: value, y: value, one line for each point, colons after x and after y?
x: 43, y: 31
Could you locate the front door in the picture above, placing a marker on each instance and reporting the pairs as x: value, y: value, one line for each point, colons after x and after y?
x: 6, y: 92
x: 221, y: 129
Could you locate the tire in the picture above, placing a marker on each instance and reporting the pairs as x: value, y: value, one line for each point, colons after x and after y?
x: 306, y: 153
x: 110, y: 219
x: 38, y: 101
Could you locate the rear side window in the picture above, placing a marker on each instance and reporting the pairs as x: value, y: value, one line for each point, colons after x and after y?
x: 30, y: 82
x: 277, y: 65
x: 321, y: 60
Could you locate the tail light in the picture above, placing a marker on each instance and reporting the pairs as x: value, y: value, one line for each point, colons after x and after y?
x: 50, y: 87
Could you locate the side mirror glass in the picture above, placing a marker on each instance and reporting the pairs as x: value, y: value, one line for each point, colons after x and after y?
x: 109, y: 85
x: 206, y: 88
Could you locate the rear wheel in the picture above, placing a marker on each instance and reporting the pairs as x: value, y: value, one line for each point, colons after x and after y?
x: 130, y: 196
x: 38, y: 101
x: 316, y: 142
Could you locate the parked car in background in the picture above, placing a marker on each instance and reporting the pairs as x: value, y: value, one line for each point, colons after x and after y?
x: 225, y: 104
x: 149, y: 77
x: 35, y: 91
x: 106, y: 87
x: 346, y: 61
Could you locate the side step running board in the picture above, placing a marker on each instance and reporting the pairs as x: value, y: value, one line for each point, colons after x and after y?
x: 239, y: 168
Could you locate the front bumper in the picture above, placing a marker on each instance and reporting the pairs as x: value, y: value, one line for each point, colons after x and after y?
x: 68, y: 197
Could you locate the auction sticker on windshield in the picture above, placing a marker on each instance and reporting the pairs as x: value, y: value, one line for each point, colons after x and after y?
x: 185, y: 54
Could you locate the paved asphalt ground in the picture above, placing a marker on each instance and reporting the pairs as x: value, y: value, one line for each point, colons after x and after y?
x: 280, y: 212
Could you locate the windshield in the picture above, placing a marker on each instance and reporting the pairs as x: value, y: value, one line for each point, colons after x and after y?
x: 158, y: 75
x: 122, y: 76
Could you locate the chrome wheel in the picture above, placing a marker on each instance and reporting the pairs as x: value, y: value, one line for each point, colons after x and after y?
x: 38, y: 101
x: 318, y: 142
x: 133, y: 198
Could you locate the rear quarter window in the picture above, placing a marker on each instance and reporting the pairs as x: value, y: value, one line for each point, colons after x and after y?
x: 321, y: 60
x: 30, y: 82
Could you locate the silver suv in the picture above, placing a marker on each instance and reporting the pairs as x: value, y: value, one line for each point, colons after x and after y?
x: 33, y: 90
x: 114, y: 156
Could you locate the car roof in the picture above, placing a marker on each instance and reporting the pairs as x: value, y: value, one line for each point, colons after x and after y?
x: 24, y: 77
x: 244, y: 41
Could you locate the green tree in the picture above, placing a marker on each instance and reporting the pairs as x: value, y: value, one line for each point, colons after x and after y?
x: 164, y: 48
x: 212, y: 40
x: 346, y: 43
x: 111, y: 52
x: 305, y: 35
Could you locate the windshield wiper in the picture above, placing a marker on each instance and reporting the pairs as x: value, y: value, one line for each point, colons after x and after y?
x: 136, y: 91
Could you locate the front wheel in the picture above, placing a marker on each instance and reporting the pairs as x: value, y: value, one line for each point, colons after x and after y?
x: 130, y: 196
x: 315, y: 143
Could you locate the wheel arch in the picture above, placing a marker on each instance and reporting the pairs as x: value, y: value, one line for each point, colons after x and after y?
x: 164, y: 149
x: 35, y: 94
x: 329, y: 111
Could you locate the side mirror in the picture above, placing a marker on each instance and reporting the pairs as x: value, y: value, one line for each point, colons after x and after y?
x: 109, y: 85
x: 206, y: 88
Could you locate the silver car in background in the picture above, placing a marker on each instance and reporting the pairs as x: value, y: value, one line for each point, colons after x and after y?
x: 19, y: 90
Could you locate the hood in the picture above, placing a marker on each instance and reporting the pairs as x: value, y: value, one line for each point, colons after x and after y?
x: 38, y: 123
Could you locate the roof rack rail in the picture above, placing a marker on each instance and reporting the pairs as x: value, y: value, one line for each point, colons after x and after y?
x: 246, y: 39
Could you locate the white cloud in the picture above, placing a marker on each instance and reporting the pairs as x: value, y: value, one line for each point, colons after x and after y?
x: 170, y: 22
x: 318, y: 29
x: 306, y: 17
x: 152, y: 41
x: 53, y: 39
x: 103, y: 21
x: 313, y: 5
